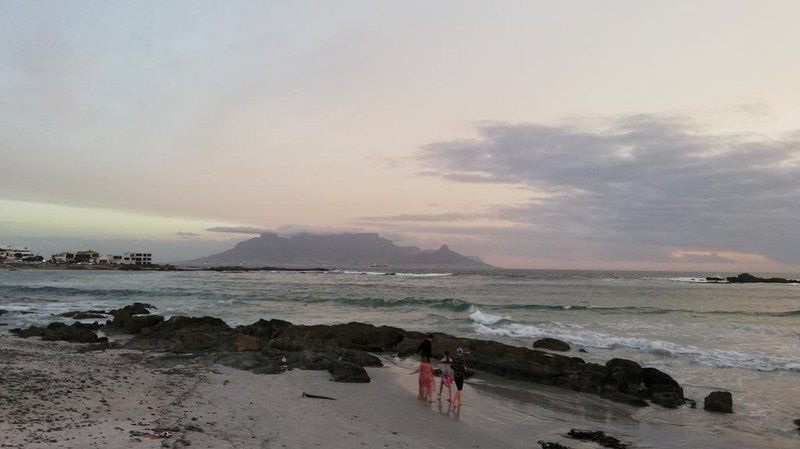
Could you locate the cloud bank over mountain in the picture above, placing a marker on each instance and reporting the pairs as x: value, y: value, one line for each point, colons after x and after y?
x: 635, y: 187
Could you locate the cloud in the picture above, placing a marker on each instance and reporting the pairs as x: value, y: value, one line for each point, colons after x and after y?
x: 187, y: 235
x: 238, y: 229
x: 637, y: 185
x: 438, y: 217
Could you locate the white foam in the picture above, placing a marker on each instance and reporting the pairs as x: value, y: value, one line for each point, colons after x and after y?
x: 484, y: 318
x: 423, y: 275
x: 704, y: 356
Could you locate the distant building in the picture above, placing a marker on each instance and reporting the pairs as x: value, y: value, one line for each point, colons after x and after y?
x: 18, y: 254
x: 88, y: 256
x: 137, y: 259
x: 63, y: 257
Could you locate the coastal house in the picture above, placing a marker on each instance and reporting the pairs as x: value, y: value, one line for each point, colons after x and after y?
x: 17, y: 254
x: 137, y: 259
x: 88, y: 256
x: 63, y: 257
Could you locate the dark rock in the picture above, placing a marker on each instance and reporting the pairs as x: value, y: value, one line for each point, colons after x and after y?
x: 85, y: 315
x: 193, y: 428
x: 101, y: 346
x: 137, y: 308
x: 408, y: 346
x: 598, y: 437
x: 582, y: 350
x: 590, y: 378
x: 360, y: 358
x: 624, y: 376
x: 76, y: 333
x: 263, y: 329
x: 135, y: 324
x: 552, y: 344
x: 348, y: 372
x: 747, y: 278
x: 186, y: 334
x: 661, y: 389
x: 551, y: 445
x: 2, y: 311
x: 719, y: 401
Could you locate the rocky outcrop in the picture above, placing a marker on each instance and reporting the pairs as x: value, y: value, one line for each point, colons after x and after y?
x: 747, y: 278
x: 85, y: 315
x: 598, y: 437
x: 719, y: 402
x: 274, y: 346
x: 77, y: 332
x: 552, y: 344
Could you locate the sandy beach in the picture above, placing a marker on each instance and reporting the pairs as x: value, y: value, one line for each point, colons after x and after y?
x: 54, y: 396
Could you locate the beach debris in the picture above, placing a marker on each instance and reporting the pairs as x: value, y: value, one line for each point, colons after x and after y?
x: 598, y: 436
x: 551, y: 445
x: 316, y: 396
x: 797, y: 423
x: 193, y: 428
x: 719, y: 402
x: 552, y: 344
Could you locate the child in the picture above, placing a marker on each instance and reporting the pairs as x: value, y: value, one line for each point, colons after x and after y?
x: 447, y: 377
x: 425, y: 371
x: 459, y: 369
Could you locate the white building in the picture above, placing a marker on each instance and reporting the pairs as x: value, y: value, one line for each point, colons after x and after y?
x: 15, y: 253
x: 137, y: 259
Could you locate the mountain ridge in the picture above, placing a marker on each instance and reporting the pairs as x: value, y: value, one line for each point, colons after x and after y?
x: 334, y: 250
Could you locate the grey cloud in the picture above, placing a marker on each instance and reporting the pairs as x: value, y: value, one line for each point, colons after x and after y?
x: 705, y: 258
x: 238, y: 229
x: 647, y: 182
x: 436, y: 217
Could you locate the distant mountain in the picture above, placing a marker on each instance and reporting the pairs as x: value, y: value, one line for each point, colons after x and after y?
x: 334, y: 250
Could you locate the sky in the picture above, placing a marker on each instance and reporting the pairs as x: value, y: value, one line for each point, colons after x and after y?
x: 571, y: 134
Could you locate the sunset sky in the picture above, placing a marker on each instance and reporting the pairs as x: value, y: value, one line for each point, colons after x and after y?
x: 570, y: 134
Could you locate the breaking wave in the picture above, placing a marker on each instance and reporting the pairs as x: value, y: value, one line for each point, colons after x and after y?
x: 589, y: 339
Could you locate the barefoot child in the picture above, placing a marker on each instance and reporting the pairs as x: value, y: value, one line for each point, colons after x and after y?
x: 447, y: 377
x: 459, y: 369
x: 425, y: 371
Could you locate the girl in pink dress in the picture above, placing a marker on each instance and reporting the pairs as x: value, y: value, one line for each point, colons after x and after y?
x: 425, y: 371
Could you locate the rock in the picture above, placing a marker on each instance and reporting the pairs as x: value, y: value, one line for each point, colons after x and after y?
x: 85, y: 315
x: 76, y: 333
x: 719, y: 401
x: 2, y: 311
x: 137, y: 308
x: 102, y: 346
x: 598, y: 437
x: 135, y: 324
x: 591, y: 378
x: 186, y: 334
x: 747, y: 278
x: 360, y: 358
x: 193, y: 428
x: 551, y: 344
x: 408, y: 346
x: 624, y: 376
x: 247, y: 343
x: 550, y: 445
x: 661, y: 389
x: 348, y: 372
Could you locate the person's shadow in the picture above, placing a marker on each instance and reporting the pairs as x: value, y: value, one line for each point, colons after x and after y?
x: 446, y: 408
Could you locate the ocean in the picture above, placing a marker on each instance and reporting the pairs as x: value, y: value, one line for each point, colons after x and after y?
x: 744, y: 338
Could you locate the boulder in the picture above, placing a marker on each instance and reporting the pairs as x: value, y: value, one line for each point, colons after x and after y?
x: 57, y: 331
x: 348, y: 372
x: 624, y: 376
x: 135, y: 324
x: 552, y: 344
x: 186, y: 334
x: 2, y: 311
x: 137, y: 308
x: 85, y: 315
x: 719, y: 401
x: 661, y: 389
x: 551, y: 445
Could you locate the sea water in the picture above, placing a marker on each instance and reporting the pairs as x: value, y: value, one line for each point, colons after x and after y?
x: 742, y: 338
